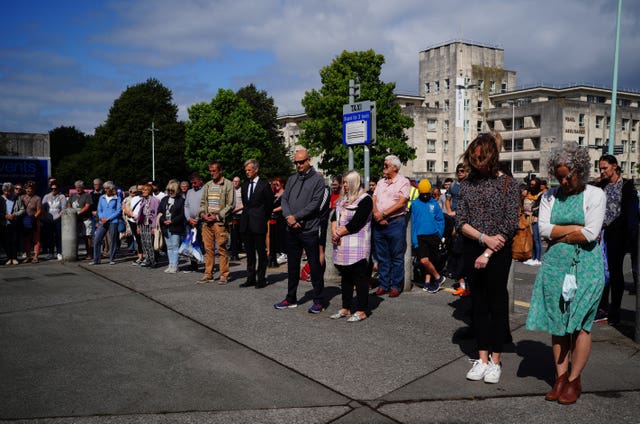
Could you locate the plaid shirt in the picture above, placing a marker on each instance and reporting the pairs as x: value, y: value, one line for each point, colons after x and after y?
x: 352, y: 247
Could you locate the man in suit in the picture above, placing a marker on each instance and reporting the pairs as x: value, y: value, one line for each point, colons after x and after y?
x: 257, y: 201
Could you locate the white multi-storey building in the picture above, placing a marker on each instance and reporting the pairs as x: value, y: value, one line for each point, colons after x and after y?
x: 465, y: 90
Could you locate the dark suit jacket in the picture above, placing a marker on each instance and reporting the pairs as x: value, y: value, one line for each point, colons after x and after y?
x: 256, y: 212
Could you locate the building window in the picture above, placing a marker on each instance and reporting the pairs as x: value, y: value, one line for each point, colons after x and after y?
x: 623, y: 166
x: 445, y: 166
x: 480, y: 85
x: 466, y: 104
x: 608, y: 122
x: 431, y: 125
x: 427, y: 87
x: 479, y: 126
x: 431, y: 145
x: 436, y: 86
x: 445, y: 126
x: 596, y: 167
x: 598, y: 141
x: 447, y: 84
x: 503, y: 87
x: 633, y: 168
x: 599, y: 120
x: 492, y: 87
x: 446, y: 105
x: 581, y: 141
x: 436, y: 105
x: 625, y: 144
x: 581, y: 120
x: 634, y: 125
x: 431, y: 166
x: 624, y: 102
x: 445, y: 146
x: 479, y: 105
x: 517, y: 166
x: 519, y: 122
x: 633, y: 146
x: 625, y: 124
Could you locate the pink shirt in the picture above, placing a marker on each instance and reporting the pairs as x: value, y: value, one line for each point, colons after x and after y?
x: 388, y: 192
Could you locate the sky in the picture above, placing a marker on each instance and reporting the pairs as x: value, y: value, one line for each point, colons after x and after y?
x: 64, y: 62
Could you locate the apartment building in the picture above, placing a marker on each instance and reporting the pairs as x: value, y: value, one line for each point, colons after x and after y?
x: 464, y: 90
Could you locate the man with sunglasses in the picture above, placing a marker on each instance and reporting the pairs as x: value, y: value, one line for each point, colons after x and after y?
x: 301, y: 202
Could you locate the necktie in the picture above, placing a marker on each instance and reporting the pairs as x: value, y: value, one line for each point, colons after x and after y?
x: 250, y: 190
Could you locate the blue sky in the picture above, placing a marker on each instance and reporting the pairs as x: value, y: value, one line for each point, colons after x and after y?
x: 64, y: 62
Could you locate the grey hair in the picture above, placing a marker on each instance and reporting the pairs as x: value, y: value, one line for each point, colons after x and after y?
x: 574, y: 157
x: 254, y: 163
x: 79, y: 182
x: 395, y: 161
x: 7, y: 186
x: 109, y: 184
x: 97, y: 181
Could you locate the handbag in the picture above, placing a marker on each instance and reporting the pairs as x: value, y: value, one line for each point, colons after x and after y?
x: 158, y: 238
x: 522, y: 247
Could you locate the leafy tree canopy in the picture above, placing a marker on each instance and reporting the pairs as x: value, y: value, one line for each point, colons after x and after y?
x: 122, y: 146
x: 323, y: 130
x: 64, y: 141
x: 233, y: 128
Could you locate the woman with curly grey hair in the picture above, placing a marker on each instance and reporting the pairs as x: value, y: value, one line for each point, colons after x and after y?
x: 570, y: 281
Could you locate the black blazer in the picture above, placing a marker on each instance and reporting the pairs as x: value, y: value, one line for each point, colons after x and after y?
x: 256, y: 212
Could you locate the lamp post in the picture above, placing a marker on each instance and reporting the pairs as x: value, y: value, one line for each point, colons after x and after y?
x: 153, y: 130
x: 513, y: 127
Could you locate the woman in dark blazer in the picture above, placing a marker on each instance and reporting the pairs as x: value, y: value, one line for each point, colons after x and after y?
x: 257, y: 201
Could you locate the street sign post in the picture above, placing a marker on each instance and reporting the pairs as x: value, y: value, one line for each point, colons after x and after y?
x: 356, y: 123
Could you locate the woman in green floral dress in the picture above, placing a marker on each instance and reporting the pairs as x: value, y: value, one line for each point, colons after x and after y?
x: 570, y: 219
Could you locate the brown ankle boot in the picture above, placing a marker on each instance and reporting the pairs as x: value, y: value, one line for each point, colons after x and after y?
x: 558, y: 386
x: 571, y: 392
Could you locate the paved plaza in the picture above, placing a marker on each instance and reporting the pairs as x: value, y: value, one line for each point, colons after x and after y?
x: 123, y: 344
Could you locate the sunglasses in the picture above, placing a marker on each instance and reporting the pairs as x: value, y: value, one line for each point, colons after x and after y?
x: 300, y: 162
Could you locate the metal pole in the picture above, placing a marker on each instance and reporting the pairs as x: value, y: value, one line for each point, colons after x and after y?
x: 153, y: 149
x: 513, y: 127
x: 352, y: 88
x: 366, y: 167
x: 637, y: 338
x: 614, y: 89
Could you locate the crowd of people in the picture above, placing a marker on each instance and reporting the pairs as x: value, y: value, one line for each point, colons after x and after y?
x: 462, y: 229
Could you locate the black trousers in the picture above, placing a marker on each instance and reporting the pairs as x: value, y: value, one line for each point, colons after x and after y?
x: 489, y: 295
x: 256, y: 243
x: 615, y: 259
x: 310, y: 242
x: 355, y: 275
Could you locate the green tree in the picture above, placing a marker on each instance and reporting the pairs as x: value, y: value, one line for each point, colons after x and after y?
x: 276, y: 161
x: 323, y: 130
x: 122, y: 145
x: 224, y: 130
x: 63, y: 142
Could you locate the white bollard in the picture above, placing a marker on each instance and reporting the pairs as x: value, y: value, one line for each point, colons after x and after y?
x: 69, y: 236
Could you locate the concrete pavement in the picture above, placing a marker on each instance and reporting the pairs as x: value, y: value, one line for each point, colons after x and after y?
x: 112, y: 344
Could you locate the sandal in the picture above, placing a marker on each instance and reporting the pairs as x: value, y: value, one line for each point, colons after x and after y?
x: 339, y: 315
x: 35, y: 260
x: 356, y: 317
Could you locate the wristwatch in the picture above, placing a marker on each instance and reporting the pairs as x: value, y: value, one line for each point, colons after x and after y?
x: 486, y: 255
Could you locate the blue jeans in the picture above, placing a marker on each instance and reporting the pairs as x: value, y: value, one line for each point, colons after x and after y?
x: 310, y: 242
x: 390, y: 243
x: 101, y: 231
x: 537, y: 243
x: 173, y: 243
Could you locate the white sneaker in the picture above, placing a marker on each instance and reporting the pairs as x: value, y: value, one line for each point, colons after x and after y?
x: 493, y: 372
x: 528, y: 262
x: 537, y: 262
x: 59, y: 256
x: 477, y: 371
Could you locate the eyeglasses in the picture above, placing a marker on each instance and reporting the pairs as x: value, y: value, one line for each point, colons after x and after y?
x: 460, y: 171
x: 300, y: 162
x: 385, y: 166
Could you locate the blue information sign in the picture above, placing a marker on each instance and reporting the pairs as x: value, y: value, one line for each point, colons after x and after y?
x: 356, y: 123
